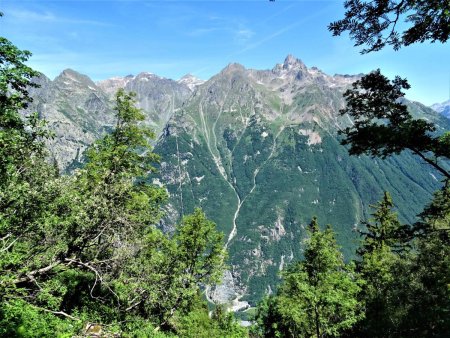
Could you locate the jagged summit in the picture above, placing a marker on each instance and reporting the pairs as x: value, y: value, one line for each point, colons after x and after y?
x: 147, y: 75
x: 73, y: 75
x: 70, y: 78
x: 439, y: 107
x: 190, y: 81
x: 291, y: 62
x: 69, y: 72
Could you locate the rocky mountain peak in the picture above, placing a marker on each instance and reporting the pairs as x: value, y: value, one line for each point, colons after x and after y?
x: 291, y: 62
x: 439, y: 107
x: 291, y: 68
x: 190, y: 81
x: 233, y: 68
x: 112, y: 85
x: 146, y: 76
x: 69, y: 77
x: 443, y: 108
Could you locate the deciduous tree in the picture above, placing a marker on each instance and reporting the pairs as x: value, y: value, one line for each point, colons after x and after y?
x: 375, y: 24
x: 382, y: 125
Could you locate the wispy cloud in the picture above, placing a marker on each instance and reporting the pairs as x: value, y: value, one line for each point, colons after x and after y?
x: 243, y: 35
x: 49, y: 17
x: 280, y: 31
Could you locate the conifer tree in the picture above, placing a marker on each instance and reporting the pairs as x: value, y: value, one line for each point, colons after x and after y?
x: 378, y: 256
x: 318, y: 296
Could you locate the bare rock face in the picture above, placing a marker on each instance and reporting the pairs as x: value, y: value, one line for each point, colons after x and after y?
x: 158, y: 97
x: 79, y: 111
x: 191, y: 81
x: 112, y: 85
x: 258, y: 150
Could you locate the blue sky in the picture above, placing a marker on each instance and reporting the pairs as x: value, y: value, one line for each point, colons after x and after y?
x: 171, y: 38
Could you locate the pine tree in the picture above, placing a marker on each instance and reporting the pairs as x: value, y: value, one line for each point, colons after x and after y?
x: 318, y: 296
x: 377, y: 259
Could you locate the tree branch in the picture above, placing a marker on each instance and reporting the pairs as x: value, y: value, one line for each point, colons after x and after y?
x: 432, y: 163
x: 98, y: 276
x: 30, y: 276
x: 59, y: 313
x: 9, y: 245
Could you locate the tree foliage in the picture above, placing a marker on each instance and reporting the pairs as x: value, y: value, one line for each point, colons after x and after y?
x: 318, y: 296
x: 378, y: 254
x: 375, y: 24
x: 406, y: 292
x: 384, y: 230
x: 84, y: 252
x: 382, y: 125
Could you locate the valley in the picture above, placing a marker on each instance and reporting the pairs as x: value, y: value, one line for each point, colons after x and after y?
x: 257, y: 150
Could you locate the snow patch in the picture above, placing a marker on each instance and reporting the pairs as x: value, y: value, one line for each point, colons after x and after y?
x: 199, y: 179
x: 434, y: 177
x: 157, y: 182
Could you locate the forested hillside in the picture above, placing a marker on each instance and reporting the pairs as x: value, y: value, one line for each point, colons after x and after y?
x: 81, y: 253
x: 303, y: 204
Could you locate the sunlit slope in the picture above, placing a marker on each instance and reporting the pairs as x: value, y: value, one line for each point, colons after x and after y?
x: 260, y: 153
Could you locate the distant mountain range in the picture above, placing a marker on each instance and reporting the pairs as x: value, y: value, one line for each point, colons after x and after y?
x: 258, y: 150
x: 443, y: 108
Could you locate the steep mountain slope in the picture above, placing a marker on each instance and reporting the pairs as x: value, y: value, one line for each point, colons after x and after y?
x: 158, y: 97
x: 79, y: 110
x: 259, y: 152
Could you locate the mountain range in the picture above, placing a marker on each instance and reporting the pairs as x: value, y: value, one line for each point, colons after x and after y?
x: 258, y: 150
x: 442, y: 108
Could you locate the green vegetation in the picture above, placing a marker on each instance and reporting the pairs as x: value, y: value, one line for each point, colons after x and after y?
x: 375, y: 23
x: 291, y: 187
x: 81, y: 254
x: 404, y: 270
x: 383, y: 126
x: 317, y: 297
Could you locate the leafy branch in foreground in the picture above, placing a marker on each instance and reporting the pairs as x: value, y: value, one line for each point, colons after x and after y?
x: 375, y: 24
x: 85, y: 247
x: 383, y: 126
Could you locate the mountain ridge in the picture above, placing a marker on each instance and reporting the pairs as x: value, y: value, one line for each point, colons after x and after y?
x: 442, y: 108
x: 258, y: 150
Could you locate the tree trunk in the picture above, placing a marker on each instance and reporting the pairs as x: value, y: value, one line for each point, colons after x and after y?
x: 316, y: 319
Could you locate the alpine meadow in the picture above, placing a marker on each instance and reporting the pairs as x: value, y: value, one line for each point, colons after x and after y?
x: 280, y: 202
